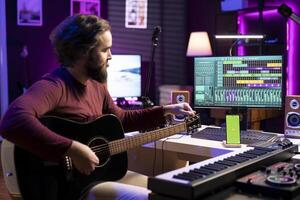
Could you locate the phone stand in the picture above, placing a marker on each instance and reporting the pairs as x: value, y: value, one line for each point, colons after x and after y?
x: 231, y: 145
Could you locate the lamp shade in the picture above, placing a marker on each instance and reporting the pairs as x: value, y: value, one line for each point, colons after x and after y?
x: 199, y: 44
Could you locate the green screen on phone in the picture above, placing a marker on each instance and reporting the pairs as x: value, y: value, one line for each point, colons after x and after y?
x: 233, y: 129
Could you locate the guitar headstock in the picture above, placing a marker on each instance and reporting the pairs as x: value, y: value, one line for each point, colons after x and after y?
x: 193, y: 123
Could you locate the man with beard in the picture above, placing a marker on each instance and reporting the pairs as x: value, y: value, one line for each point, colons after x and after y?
x: 77, y: 91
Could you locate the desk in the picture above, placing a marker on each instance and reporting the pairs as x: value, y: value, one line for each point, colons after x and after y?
x: 193, y: 148
x: 173, y: 152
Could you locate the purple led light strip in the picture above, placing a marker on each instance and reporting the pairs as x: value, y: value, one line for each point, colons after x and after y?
x: 292, y: 30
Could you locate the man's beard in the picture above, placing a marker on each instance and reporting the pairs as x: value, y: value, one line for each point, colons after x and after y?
x: 97, y: 71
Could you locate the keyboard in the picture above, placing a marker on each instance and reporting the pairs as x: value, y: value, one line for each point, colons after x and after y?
x: 247, y: 137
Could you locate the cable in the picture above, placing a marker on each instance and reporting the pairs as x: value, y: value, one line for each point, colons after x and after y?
x: 233, y: 45
x: 162, y: 154
x: 162, y: 149
x: 154, y: 160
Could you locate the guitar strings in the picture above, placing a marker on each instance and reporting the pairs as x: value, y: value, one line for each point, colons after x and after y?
x: 105, y: 147
x: 102, y: 147
x: 99, y: 148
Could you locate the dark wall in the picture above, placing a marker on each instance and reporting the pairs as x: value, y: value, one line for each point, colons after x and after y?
x: 205, y: 15
x: 40, y: 59
x: 170, y: 59
x: 137, y: 41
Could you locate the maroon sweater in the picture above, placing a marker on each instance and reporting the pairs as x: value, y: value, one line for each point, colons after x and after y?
x: 60, y: 94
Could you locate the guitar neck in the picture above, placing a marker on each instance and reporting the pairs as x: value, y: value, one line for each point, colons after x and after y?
x: 122, y: 145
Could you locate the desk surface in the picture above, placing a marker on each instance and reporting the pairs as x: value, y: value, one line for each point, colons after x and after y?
x: 183, y: 143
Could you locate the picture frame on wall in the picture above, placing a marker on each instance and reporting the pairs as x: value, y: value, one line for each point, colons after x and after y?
x: 85, y: 7
x: 29, y: 13
x: 136, y: 14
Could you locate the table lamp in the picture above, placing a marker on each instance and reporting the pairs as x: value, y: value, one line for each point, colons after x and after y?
x: 199, y: 45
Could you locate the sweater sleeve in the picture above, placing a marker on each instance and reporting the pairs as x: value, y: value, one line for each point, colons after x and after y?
x: 21, y: 126
x: 133, y: 120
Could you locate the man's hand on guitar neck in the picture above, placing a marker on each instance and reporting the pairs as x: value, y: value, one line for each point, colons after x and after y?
x: 83, y: 158
x: 179, y: 109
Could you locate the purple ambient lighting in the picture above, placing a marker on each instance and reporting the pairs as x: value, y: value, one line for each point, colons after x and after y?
x: 242, y: 25
x: 241, y: 30
x: 292, y: 43
x: 293, y: 51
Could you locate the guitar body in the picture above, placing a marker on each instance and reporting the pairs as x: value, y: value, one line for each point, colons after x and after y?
x: 39, y: 179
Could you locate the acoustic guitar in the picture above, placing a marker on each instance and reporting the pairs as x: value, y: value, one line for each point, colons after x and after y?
x: 105, y: 136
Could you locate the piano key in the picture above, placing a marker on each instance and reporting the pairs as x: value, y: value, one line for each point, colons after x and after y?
x: 226, y: 162
x: 247, y: 155
x: 215, y: 167
x: 204, y: 171
x: 237, y: 159
x: 257, y: 152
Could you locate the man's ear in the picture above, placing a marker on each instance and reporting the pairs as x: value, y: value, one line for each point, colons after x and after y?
x: 80, y: 61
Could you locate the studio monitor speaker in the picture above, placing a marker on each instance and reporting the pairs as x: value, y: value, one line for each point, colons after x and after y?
x: 292, y: 116
x: 180, y: 96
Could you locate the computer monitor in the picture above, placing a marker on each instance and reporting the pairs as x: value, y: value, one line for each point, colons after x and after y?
x: 124, y: 76
x: 239, y: 81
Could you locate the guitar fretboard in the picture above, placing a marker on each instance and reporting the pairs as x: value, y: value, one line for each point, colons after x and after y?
x: 122, y: 145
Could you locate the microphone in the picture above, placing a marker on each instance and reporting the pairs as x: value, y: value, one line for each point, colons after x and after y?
x: 286, y: 11
x: 156, y: 32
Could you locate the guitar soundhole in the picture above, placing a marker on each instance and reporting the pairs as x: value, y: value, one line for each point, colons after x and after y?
x: 101, y: 149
